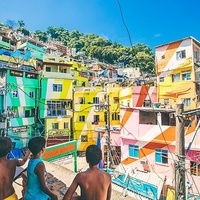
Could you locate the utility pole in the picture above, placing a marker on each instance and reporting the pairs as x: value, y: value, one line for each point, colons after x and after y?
x: 108, y: 131
x: 180, y: 190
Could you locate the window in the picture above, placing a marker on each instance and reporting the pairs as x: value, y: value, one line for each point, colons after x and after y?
x: 196, y: 55
x: 66, y: 125
x: 31, y: 94
x: 96, y: 118
x: 147, y: 103
x: 56, y: 108
x: 134, y: 151
x: 16, y: 73
x: 128, y: 103
x: 166, y: 101
x: 81, y: 118
x: 57, y: 87
x: 195, y: 168
x: 27, y: 113
x: 81, y: 100
x: 55, y: 126
x: 180, y: 54
x: 186, y: 75
x: 116, y: 99
x: 15, y: 94
x: 96, y: 100
x: 115, y: 116
x: 186, y: 102
x: 84, y: 138
x: 163, y: 57
x: 175, y: 77
x: 48, y: 69
x: 161, y: 79
x: 162, y: 156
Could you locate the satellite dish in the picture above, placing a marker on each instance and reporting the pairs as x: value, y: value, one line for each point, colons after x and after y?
x: 120, y: 72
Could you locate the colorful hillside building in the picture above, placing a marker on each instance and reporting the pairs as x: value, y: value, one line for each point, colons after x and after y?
x: 177, y: 66
x: 89, y: 114
x: 56, y: 99
x: 19, y: 95
x: 148, y: 132
x: 34, y: 45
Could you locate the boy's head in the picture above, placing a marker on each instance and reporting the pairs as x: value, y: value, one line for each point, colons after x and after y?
x: 93, y: 154
x: 5, y: 146
x: 36, y: 144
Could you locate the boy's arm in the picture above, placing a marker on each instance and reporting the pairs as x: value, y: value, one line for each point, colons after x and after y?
x: 71, y: 189
x: 109, y: 190
x: 40, y: 172
x: 21, y: 162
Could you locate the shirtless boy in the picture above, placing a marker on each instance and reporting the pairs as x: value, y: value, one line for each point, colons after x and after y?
x: 94, y: 183
x: 8, y: 168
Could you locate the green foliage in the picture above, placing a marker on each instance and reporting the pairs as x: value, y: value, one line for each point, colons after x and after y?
x: 96, y: 47
x: 41, y: 35
x: 25, y: 31
x: 11, y: 23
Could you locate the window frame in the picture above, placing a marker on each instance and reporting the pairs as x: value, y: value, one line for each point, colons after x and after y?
x: 15, y: 94
x: 180, y: 54
x: 55, y: 126
x: 161, y: 156
x: 186, y: 101
x: 175, y: 78
x: 133, y: 151
x: 81, y: 118
x: 57, y: 87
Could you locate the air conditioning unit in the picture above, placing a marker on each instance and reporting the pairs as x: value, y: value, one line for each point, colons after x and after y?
x: 143, y: 162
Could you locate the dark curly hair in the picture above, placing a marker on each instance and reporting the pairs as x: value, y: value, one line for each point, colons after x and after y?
x: 5, y: 146
x: 93, y: 154
x: 36, y: 144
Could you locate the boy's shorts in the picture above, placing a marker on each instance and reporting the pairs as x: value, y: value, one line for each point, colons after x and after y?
x: 12, y: 197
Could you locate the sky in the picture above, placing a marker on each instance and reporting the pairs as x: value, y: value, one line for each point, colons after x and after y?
x: 151, y: 22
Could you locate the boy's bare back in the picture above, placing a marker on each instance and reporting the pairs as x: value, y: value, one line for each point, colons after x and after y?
x: 7, y: 173
x: 95, y: 184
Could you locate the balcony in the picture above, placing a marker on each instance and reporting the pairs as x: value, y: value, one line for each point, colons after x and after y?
x: 56, y: 113
x: 58, y: 74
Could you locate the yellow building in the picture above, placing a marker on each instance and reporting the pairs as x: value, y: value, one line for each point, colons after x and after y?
x: 177, y: 66
x: 89, y: 114
x: 56, y: 99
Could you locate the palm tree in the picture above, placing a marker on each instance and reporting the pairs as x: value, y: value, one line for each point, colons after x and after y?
x: 21, y: 23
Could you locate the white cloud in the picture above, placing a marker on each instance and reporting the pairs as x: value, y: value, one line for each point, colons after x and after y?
x: 157, y: 35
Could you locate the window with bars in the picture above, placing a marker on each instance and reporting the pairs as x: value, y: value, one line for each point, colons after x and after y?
x: 186, y: 102
x: 96, y: 100
x: 115, y: 116
x: 195, y: 168
x: 55, y: 108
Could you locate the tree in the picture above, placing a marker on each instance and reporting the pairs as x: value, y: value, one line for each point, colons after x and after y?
x: 24, y: 31
x: 41, y: 35
x: 11, y: 23
x: 21, y: 23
